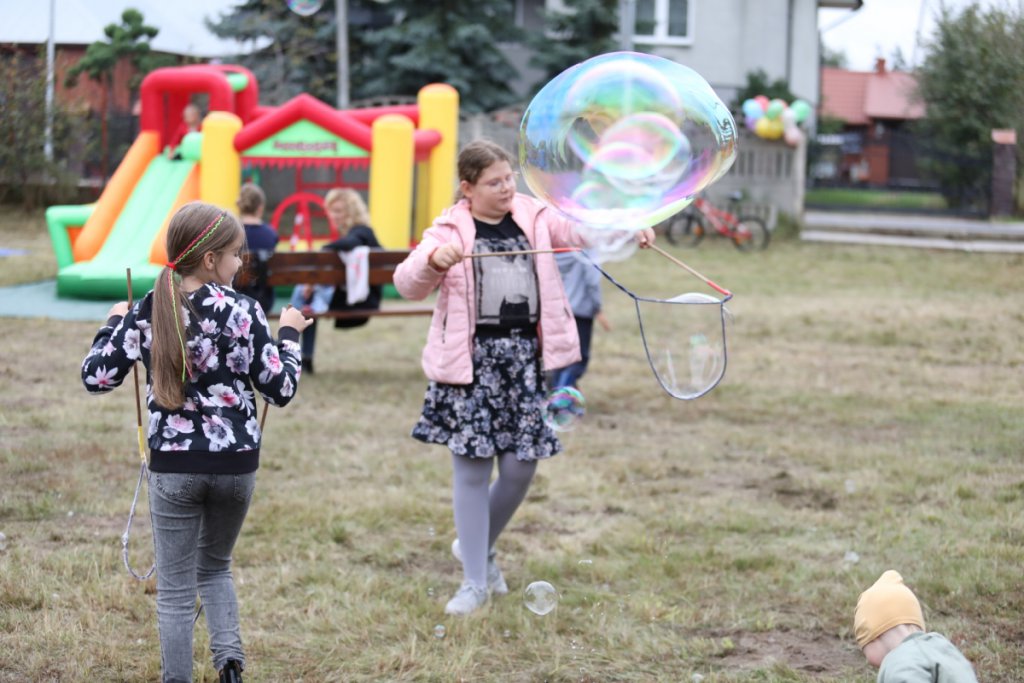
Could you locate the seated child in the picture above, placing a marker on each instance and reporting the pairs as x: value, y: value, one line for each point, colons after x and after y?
x: 260, y: 241
x: 889, y: 628
x: 312, y: 300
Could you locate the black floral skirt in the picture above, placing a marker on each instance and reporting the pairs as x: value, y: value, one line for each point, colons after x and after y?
x: 500, y: 412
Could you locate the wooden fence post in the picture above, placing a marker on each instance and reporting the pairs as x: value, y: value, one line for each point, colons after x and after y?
x: 1004, y: 171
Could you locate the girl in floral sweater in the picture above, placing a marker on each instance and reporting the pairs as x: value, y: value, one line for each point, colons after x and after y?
x: 206, y: 349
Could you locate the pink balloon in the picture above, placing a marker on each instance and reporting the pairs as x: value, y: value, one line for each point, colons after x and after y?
x: 763, y: 101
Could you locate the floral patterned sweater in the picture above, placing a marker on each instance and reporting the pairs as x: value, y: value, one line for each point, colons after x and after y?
x: 232, y: 350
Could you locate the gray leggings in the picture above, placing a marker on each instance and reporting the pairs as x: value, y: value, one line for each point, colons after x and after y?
x: 481, y: 513
x: 196, y: 521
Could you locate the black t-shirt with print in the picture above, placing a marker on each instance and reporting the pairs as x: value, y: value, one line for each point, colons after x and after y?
x: 506, y: 286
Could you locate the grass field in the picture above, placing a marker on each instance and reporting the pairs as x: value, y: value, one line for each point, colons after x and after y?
x: 870, y: 419
x: 874, y: 199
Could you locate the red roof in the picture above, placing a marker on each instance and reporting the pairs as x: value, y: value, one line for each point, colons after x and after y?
x: 859, y: 97
x: 891, y: 96
x: 356, y: 128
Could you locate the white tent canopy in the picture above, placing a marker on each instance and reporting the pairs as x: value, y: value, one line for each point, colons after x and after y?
x: 81, y: 22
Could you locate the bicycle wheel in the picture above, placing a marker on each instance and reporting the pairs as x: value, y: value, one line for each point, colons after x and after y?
x: 750, y: 233
x: 685, y: 231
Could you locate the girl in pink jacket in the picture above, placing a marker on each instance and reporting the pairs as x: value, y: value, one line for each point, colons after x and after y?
x: 496, y: 321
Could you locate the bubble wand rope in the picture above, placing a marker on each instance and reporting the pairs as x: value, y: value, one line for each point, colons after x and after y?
x: 727, y: 295
x: 637, y: 299
x: 142, y: 466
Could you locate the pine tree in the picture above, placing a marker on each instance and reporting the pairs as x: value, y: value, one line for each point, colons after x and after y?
x: 569, y: 38
x: 298, y: 54
x: 447, y: 41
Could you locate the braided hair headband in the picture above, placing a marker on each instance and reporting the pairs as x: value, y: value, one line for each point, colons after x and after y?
x: 172, y: 267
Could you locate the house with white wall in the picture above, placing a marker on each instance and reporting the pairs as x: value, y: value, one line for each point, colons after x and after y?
x: 722, y: 40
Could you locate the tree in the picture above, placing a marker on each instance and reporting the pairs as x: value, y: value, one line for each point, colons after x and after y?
x: 898, y: 61
x: 836, y: 59
x: 971, y: 81
x: 129, y: 39
x: 294, y: 59
x: 449, y: 41
x: 587, y: 30
x: 24, y: 168
x: 758, y: 83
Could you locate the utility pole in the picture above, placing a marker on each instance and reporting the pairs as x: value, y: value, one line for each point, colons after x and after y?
x: 50, y: 66
x: 627, y: 23
x: 341, y: 45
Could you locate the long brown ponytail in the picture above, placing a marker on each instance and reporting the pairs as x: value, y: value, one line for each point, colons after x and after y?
x: 195, y: 229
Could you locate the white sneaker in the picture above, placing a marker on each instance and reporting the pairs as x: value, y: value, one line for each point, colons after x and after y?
x: 467, y: 599
x: 495, y: 581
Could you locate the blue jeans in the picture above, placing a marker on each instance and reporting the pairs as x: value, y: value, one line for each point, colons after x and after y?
x: 196, y: 520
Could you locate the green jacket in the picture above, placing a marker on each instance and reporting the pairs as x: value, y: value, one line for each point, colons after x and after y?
x: 926, y: 658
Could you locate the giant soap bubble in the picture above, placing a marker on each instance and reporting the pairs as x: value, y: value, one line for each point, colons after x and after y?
x: 625, y: 140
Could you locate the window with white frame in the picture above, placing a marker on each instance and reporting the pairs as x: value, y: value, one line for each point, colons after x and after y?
x: 667, y: 22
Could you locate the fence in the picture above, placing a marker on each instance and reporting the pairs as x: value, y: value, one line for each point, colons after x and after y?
x: 898, y: 159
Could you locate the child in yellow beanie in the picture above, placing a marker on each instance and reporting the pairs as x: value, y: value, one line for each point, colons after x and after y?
x: 889, y: 628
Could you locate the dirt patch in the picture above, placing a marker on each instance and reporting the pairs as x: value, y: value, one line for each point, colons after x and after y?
x: 808, y: 651
x: 788, y: 491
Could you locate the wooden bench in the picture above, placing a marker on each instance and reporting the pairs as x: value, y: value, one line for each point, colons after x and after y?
x: 284, y: 268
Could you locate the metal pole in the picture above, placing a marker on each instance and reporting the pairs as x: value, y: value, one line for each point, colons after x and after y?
x: 627, y: 24
x: 341, y: 44
x: 48, y: 136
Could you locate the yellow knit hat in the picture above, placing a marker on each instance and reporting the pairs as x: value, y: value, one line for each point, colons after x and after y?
x: 887, y: 604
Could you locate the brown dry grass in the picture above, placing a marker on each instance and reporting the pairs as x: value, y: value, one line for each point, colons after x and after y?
x: 872, y: 405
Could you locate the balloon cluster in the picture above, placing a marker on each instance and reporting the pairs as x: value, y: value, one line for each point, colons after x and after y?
x: 774, y: 119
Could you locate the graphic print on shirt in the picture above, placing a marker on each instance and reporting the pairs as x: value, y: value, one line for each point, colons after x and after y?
x: 506, y: 286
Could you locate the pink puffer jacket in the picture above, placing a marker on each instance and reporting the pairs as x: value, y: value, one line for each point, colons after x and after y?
x: 448, y: 354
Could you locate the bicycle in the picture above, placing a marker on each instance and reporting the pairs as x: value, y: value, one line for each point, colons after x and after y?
x: 689, y: 228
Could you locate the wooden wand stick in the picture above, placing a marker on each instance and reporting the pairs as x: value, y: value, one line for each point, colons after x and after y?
x: 709, y: 283
x: 135, y: 372
x: 558, y: 250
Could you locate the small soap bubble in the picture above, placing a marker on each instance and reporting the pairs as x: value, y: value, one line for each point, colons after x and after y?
x: 851, y: 557
x: 71, y: 513
x: 305, y: 8
x: 563, y: 409
x: 696, y: 678
x: 430, y: 531
x: 440, y: 631
x: 540, y: 597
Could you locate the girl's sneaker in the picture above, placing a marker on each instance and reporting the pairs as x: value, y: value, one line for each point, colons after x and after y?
x: 467, y: 599
x: 495, y: 581
x: 231, y: 673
